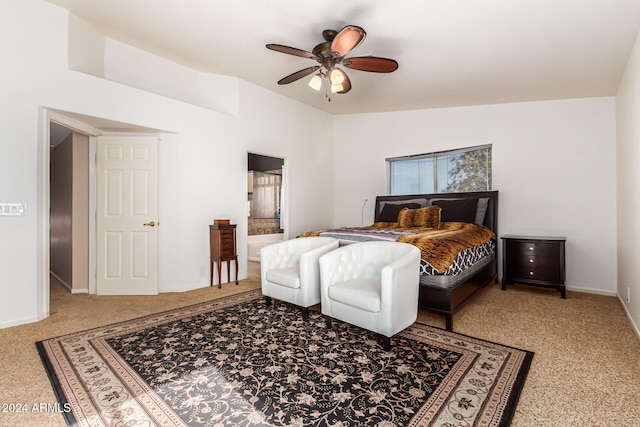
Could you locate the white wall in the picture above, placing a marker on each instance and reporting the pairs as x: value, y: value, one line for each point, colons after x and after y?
x: 303, y: 139
x: 553, y: 164
x: 628, y: 157
x: 203, y: 157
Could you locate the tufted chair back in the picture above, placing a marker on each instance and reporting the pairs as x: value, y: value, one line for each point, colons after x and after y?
x: 290, y: 269
x: 366, y: 260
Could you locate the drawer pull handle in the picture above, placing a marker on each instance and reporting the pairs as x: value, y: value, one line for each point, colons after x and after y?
x: 531, y: 273
x: 530, y: 248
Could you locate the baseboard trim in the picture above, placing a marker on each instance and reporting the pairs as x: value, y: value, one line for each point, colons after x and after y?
x: 59, y: 279
x: 184, y: 289
x: 195, y: 286
x: 66, y: 285
x: 24, y: 321
x: 592, y: 291
x: 629, y: 318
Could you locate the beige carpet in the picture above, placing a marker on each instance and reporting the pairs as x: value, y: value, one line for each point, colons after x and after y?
x: 585, y: 372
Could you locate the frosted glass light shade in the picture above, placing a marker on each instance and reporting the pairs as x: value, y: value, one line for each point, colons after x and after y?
x: 315, y: 82
x: 337, y: 77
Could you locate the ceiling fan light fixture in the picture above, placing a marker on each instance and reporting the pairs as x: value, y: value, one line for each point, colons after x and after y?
x: 337, y: 87
x: 337, y: 76
x: 332, y: 53
x: 315, y: 82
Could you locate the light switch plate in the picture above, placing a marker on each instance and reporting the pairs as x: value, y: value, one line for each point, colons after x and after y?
x: 13, y: 209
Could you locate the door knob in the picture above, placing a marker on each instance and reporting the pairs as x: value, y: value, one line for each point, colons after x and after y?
x: 150, y: 224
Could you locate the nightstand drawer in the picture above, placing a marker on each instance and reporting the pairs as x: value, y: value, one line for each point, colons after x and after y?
x: 532, y: 248
x: 550, y: 273
x: 531, y: 261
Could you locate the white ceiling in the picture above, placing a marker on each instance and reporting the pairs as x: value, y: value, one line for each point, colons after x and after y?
x: 450, y: 52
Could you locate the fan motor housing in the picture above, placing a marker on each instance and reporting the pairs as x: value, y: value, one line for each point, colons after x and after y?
x: 322, y: 50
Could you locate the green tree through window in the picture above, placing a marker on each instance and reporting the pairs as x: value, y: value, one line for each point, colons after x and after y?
x: 470, y: 171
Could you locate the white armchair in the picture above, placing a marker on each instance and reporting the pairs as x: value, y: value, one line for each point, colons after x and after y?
x: 290, y: 271
x: 373, y: 285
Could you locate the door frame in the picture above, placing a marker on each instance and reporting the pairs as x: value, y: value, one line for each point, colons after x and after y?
x: 42, y: 209
x: 284, y: 213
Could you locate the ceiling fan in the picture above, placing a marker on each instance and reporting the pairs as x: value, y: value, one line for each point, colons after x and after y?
x: 331, y: 54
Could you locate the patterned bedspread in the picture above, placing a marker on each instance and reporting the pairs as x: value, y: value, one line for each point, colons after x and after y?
x: 353, y: 235
x: 440, y: 248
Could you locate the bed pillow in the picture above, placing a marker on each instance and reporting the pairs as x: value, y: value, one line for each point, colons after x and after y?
x: 421, y: 202
x: 428, y: 217
x: 457, y: 210
x: 390, y: 211
x: 483, y: 204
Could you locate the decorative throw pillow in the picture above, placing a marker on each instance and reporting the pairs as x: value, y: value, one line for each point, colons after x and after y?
x: 390, y: 211
x: 428, y: 217
x: 405, y: 217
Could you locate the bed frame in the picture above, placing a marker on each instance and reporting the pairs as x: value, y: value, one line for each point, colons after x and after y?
x: 447, y: 300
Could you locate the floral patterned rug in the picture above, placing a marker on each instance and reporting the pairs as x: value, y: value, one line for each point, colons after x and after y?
x: 237, y: 362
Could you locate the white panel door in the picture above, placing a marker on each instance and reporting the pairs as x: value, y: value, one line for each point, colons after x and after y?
x: 127, y: 215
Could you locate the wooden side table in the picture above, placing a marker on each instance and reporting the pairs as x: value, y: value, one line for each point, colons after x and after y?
x: 222, y: 239
x: 538, y: 261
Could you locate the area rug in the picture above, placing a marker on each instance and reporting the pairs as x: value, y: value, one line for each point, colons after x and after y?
x: 237, y: 362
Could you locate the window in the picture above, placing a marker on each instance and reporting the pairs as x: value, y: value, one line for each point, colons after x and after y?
x: 462, y: 170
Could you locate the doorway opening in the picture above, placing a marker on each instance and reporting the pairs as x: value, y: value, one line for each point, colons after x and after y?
x: 69, y: 207
x: 267, y: 200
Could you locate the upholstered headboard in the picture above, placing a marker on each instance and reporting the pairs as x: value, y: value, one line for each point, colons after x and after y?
x: 491, y: 197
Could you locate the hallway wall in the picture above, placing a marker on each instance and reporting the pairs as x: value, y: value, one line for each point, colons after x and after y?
x: 69, y: 220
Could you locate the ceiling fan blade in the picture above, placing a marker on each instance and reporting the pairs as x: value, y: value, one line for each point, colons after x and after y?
x: 346, y: 83
x: 292, y: 51
x: 371, y: 63
x: 297, y: 75
x: 347, y: 39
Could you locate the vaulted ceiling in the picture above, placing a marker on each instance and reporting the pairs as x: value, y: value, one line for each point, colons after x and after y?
x: 450, y: 52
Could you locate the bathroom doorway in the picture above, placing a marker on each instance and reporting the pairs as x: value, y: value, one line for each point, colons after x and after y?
x: 266, y: 198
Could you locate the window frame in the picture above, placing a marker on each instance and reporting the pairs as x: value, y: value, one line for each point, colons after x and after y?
x: 440, y: 154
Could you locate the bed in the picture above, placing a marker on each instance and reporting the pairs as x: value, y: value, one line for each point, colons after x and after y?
x: 456, y: 233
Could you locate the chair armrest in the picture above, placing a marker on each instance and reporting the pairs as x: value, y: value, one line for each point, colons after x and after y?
x: 310, y: 260
x: 400, y: 281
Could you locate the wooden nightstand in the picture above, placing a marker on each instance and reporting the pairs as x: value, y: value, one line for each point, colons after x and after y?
x: 538, y: 261
x: 222, y: 239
